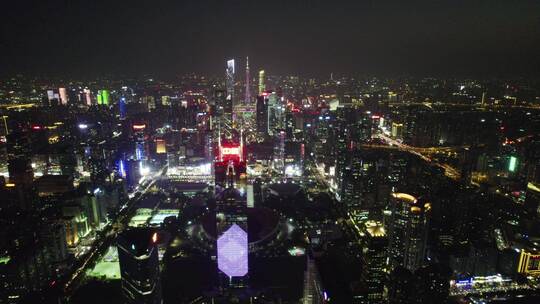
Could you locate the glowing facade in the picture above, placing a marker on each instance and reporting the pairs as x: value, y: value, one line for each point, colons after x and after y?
x: 512, y: 164
x: 529, y: 263
x: 230, y: 82
x: 262, y: 83
x: 63, y: 96
x: 248, y: 84
x: 103, y: 97
x: 374, y: 256
x: 407, y: 233
x: 232, y: 252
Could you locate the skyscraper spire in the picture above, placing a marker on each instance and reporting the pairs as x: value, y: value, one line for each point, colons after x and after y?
x: 248, y: 91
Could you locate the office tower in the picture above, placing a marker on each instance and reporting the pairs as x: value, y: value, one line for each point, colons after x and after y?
x: 262, y: 114
x: 87, y: 96
x: 53, y: 97
x: 360, y: 179
x: 140, y: 141
x: 247, y: 101
x: 374, y: 256
x: 230, y: 84
x: 397, y: 130
x: 279, y: 152
x: 63, y: 96
x: 122, y: 108
x: 103, y: 97
x: 262, y: 82
x: 361, y: 133
x: 231, y: 204
x: 139, y: 266
x: 223, y: 105
x: 275, y: 113
x: 408, y: 225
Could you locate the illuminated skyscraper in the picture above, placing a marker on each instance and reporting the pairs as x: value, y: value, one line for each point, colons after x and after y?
x: 87, y: 96
x: 248, y: 84
x: 229, y: 73
x: 231, y: 217
x: 103, y: 97
x: 262, y: 114
x: 408, y: 225
x: 63, y: 96
x: 262, y: 82
x: 139, y: 266
x: 275, y: 113
x: 374, y: 257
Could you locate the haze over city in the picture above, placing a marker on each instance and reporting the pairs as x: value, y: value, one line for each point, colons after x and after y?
x: 261, y: 152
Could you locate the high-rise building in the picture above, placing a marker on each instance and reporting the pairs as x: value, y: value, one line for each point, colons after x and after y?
x: 276, y: 112
x: 103, y: 97
x: 247, y: 100
x: 63, y: 96
x: 262, y: 82
x: 374, y: 257
x: 122, y: 108
x: 229, y: 73
x: 262, y: 114
x: 408, y: 225
x: 87, y: 96
x: 139, y: 266
x: 232, y: 227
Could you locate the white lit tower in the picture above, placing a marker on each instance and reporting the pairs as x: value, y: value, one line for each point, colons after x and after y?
x: 262, y: 82
x: 247, y: 101
x: 230, y: 175
x: 229, y: 73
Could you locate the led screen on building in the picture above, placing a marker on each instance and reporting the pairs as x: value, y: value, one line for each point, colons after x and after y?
x: 232, y: 251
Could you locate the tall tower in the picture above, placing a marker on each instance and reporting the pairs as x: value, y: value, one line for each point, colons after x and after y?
x: 262, y: 85
x: 230, y: 82
x: 374, y: 255
x: 248, y: 84
x: 408, y: 231
x: 139, y: 266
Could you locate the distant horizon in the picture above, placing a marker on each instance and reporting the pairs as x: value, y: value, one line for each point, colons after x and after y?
x: 241, y: 75
x: 311, y: 38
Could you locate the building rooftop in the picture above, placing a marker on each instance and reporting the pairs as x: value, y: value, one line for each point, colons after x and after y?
x: 375, y: 229
x: 138, y: 241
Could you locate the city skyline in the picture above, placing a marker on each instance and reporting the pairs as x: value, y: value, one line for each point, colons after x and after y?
x: 276, y: 152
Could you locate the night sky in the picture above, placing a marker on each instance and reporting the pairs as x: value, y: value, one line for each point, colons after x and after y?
x: 90, y: 38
